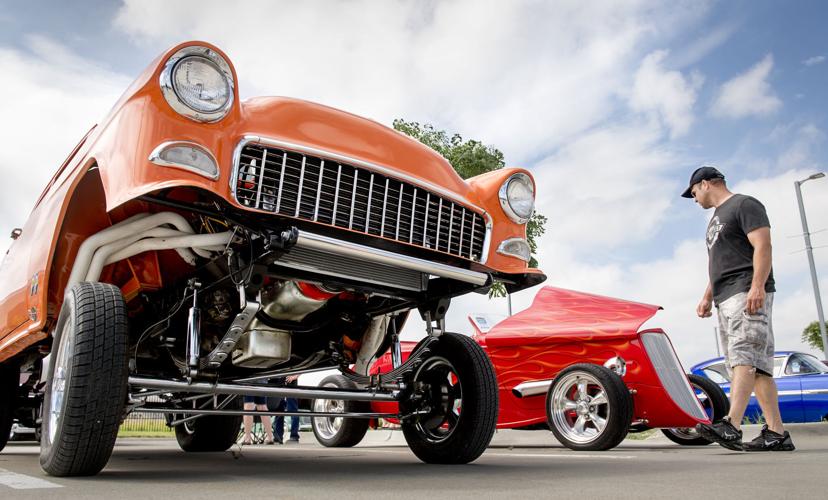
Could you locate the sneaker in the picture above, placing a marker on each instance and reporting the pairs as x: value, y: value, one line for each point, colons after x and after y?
x: 722, y: 432
x: 293, y: 440
x: 767, y: 440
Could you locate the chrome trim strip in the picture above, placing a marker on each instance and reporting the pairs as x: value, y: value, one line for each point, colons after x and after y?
x: 370, y: 195
x: 380, y: 169
x: 155, y: 157
x: 261, y: 179
x: 281, y: 181
x: 384, y: 206
x: 783, y: 393
x: 301, y: 186
x: 487, y: 242
x: 814, y: 391
x: 425, y: 220
x: 413, y: 210
x: 439, y: 220
x: 471, y: 243
x: 462, y: 227
x: 336, y: 194
x: 370, y: 254
x: 399, y: 210
x: 319, y: 190
x: 532, y: 388
x: 451, y: 227
x: 353, y: 199
x: 165, y: 82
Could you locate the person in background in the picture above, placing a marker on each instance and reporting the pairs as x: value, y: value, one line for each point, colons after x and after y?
x: 289, y: 405
x: 256, y: 403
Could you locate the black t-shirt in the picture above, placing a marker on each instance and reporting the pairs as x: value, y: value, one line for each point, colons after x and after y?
x: 729, y: 250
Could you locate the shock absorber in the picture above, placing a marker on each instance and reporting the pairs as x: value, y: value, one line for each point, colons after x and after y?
x: 193, y: 332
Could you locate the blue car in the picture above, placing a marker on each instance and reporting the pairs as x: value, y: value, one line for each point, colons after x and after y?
x: 802, y: 380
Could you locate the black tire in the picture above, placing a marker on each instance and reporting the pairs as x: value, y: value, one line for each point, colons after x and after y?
x: 90, y: 355
x: 211, y: 433
x: 715, y: 404
x: 9, y: 381
x: 339, y: 432
x: 603, y: 424
x: 456, y: 371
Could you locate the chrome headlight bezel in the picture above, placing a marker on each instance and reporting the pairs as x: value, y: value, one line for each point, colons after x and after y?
x: 506, y: 203
x: 166, y: 82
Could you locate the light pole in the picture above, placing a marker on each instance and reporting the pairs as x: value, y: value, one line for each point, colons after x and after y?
x: 809, y: 250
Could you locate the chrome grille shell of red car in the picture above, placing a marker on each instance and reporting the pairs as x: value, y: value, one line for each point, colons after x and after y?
x: 671, y: 374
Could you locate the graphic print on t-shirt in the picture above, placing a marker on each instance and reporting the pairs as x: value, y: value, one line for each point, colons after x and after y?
x: 713, y: 231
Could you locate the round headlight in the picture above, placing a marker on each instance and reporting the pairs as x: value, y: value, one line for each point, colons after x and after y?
x: 517, y: 197
x: 198, y: 83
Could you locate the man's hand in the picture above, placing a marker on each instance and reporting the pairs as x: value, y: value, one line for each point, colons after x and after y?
x: 705, y: 308
x: 291, y: 378
x: 755, y: 300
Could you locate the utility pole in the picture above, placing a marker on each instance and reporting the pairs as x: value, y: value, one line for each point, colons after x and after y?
x: 810, y: 251
x: 716, y: 339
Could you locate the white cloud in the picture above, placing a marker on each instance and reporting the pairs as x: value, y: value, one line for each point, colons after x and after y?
x: 748, y: 94
x: 525, y: 76
x: 607, y: 187
x: 700, y: 48
x: 666, y: 95
x: 56, y: 97
x: 813, y: 61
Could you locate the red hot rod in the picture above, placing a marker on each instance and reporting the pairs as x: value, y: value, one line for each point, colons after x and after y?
x: 578, y: 364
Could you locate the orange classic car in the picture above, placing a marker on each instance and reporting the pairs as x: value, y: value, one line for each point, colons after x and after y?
x: 196, y: 248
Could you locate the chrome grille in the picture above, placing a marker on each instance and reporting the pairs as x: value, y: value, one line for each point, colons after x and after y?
x: 671, y: 373
x: 308, y: 259
x: 341, y: 195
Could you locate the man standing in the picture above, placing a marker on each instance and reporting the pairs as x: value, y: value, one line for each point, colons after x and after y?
x: 741, y: 285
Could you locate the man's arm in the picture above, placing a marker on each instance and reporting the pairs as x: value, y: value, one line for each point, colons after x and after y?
x: 705, y: 307
x: 761, y: 242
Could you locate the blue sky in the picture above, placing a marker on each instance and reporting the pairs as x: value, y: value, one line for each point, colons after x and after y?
x: 610, y: 104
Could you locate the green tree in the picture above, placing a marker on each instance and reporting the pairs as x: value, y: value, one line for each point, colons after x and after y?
x: 812, y: 336
x: 470, y: 158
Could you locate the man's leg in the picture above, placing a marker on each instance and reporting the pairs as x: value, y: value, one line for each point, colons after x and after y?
x: 248, y: 423
x: 293, y: 405
x: 744, y: 378
x: 266, y: 423
x: 768, y: 397
x: 279, y: 422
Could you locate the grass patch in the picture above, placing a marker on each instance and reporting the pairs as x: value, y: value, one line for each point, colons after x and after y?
x: 638, y: 436
x: 124, y: 433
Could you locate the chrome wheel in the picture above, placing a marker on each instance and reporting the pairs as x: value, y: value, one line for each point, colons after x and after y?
x: 579, y: 407
x: 58, y: 382
x: 328, y: 427
x: 438, y: 384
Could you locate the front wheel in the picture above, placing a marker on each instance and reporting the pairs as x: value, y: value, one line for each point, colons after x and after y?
x: 9, y: 379
x: 339, y: 432
x: 715, y: 404
x: 589, y: 408
x: 450, y: 413
x: 209, y: 433
x: 87, y: 381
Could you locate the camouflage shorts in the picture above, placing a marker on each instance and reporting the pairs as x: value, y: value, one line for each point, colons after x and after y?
x: 746, y: 339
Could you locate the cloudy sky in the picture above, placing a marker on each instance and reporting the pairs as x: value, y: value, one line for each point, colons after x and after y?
x: 611, y: 105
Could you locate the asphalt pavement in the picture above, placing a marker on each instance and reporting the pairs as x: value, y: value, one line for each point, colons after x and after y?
x: 518, y: 464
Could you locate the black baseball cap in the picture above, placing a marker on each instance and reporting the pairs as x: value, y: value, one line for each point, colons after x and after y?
x: 701, y: 174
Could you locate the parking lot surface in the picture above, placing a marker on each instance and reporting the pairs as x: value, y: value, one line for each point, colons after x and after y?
x: 519, y: 464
